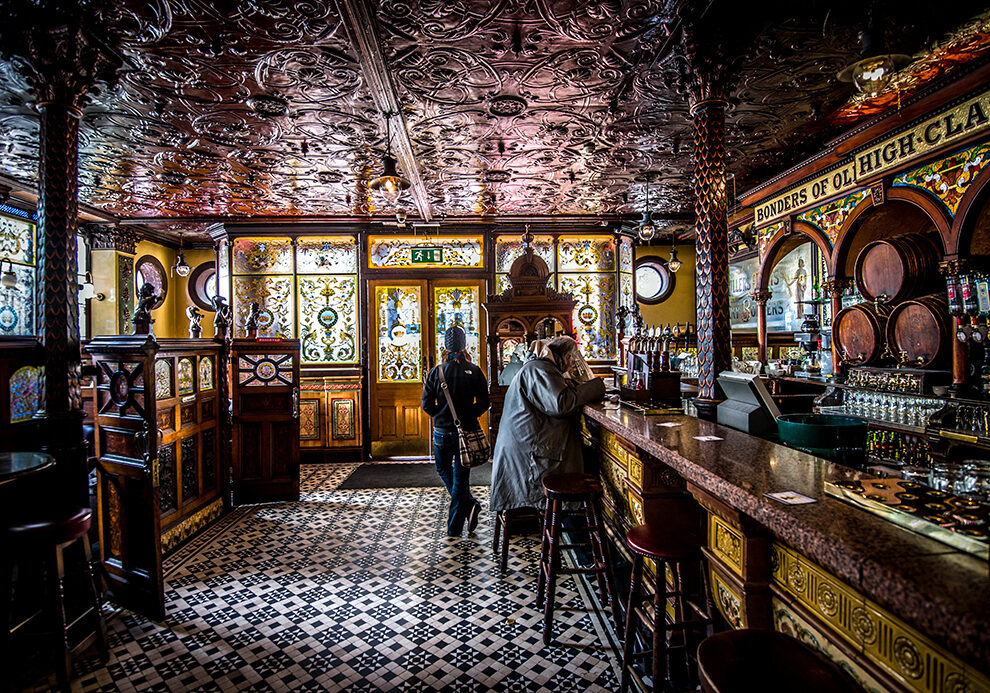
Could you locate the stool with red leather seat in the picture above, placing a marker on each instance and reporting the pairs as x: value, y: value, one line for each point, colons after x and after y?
x: 675, y: 542
x: 739, y: 661
x: 34, y: 537
x: 585, y: 492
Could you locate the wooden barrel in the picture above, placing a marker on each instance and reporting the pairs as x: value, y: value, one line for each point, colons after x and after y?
x: 919, y: 331
x: 898, y: 268
x: 859, y: 332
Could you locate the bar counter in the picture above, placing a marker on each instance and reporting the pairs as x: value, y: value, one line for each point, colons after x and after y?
x: 941, y: 592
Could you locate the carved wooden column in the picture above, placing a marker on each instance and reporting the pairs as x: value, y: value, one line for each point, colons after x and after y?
x: 834, y: 287
x: 62, y: 63
x: 761, y: 298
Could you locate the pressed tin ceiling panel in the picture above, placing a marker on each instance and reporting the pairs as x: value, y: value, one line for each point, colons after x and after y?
x: 259, y: 108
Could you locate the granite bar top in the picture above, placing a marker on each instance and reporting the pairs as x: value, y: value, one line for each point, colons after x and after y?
x: 942, y: 592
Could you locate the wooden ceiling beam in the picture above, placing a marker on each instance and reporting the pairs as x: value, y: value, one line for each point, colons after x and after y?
x: 362, y: 29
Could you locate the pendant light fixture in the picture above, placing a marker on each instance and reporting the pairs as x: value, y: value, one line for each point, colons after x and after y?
x: 390, y: 183
x: 181, y: 267
x: 875, y: 68
x: 673, y: 264
x: 647, y: 229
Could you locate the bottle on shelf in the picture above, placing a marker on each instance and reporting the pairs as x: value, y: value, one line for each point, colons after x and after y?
x: 955, y: 298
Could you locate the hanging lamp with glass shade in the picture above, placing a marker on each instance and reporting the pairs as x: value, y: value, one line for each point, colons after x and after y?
x: 875, y: 68
x: 181, y: 267
x: 673, y: 264
x: 390, y: 183
x: 647, y: 229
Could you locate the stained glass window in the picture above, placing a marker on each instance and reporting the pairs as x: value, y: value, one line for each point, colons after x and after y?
x: 185, y: 377
x: 275, y: 310
x: 457, y: 306
x: 262, y: 256
x: 17, y: 304
x: 414, y: 251
x: 508, y: 248
x: 594, y: 315
x: 25, y: 393
x: 329, y: 255
x: 586, y: 254
x: 328, y: 319
x: 625, y: 255
x: 398, y: 322
x: 206, y: 373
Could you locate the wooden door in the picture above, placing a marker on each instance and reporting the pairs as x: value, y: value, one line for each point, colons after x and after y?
x: 265, y: 394
x: 127, y: 472
x: 399, y: 348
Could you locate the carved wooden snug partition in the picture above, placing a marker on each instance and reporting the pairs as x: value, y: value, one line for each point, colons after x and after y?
x: 158, y: 442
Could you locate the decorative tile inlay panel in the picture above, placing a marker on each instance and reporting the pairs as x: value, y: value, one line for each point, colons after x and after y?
x: 509, y: 248
x: 25, y: 393
x: 261, y: 370
x: 190, y: 469
x: 274, y: 298
x: 342, y: 419
x: 726, y: 542
x: 185, y: 380
x: 626, y: 255
x: 17, y: 240
x: 592, y: 254
x: 594, y: 315
x: 163, y: 378
x: 764, y: 235
x: 168, y: 489
x: 829, y: 217
x: 400, y: 333
x: 187, y: 415
x: 457, y: 306
x: 329, y: 255
x: 166, y: 419
x: 627, y: 297
x: 948, y: 179
x: 209, y: 459
x: 17, y: 305
x: 398, y: 251
x: 309, y: 419
x: 262, y: 256
x: 328, y: 319
x: 728, y: 602
x: 205, y: 373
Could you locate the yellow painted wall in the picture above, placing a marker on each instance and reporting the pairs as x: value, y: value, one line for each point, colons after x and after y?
x: 104, y: 313
x: 680, y: 307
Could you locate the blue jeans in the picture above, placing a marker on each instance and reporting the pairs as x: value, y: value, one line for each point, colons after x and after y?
x: 456, y: 477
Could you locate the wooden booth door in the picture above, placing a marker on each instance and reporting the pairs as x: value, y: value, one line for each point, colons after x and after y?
x: 265, y: 394
x: 407, y: 320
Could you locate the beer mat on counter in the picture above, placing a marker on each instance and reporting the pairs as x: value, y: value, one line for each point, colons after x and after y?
x: 407, y: 475
x: 953, y: 520
x: 790, y: 497
x: 707, y: 439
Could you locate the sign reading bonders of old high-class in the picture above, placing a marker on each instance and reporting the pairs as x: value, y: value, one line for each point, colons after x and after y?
x: 937, y: 131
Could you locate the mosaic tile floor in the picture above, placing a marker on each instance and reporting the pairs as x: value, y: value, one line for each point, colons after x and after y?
x: 353, y: 591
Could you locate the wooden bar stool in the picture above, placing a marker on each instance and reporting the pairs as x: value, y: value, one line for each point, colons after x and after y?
x: 675, y: 542
x: 739, y: 661
x: 45, y: 539
x: 585, y: 490
x: 505, y: 522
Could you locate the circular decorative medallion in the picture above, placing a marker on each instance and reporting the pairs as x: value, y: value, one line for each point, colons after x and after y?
x: 8, y: 318
x: 265, y: 318
x: 120, y: 388
x: 506, y: 106
x: 265, y: 370
x: 497, y: 175
x: 327, y: 317
x: 587, y: 315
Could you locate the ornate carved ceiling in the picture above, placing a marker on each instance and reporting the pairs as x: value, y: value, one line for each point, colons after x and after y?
x: 510, y: 107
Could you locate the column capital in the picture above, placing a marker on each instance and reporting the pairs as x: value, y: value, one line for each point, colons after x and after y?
x: 55, y: 45
x: 761, y: 297
x: 112, y: 238
x: 834, y: 287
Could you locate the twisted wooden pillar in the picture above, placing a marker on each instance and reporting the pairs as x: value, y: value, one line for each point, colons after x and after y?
x: 712, y: 264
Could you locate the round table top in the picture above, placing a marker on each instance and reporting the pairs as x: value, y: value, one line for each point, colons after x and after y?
x: 15, y: 464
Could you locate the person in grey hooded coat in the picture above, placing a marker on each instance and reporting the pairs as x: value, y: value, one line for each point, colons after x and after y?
x: 539, y: 432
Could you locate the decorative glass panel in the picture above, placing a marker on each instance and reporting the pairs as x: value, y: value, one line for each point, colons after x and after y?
x: 262, y: 256
x: 400, y: 333
x: 457, y: 306
x: 330, y: 255
x: 508, y: 248
x: 260, y: 370
x: 625, y: 255
x: 223, y: 271
x: 502, y: 283
x: 25, y: 393
x: 206, y: 373
x: 328, y: 319
x: 17, y: 305
x: 594, y: 320
x: 274, y: 297
x: 626, y: 297
x: 398, y: 251
x: 789, y: 282
x: 163, y: 379
x: 591, y: 254
x: 185, y: 376
x: 17, y: 240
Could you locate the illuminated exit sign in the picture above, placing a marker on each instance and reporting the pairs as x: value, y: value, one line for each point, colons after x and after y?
x: 427, y: 255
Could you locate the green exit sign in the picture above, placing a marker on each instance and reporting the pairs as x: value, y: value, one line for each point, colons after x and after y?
x: 427, y: 255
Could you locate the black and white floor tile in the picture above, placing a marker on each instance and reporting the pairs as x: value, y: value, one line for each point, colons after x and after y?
x: 354, y: 591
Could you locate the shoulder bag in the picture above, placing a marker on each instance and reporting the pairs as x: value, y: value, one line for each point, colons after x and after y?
x: 475, y: 449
